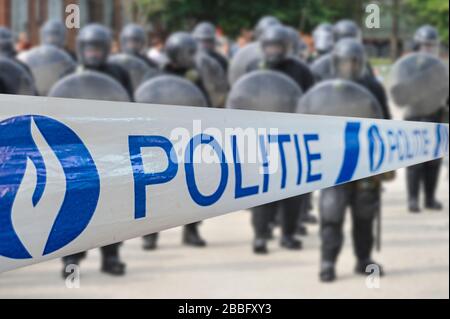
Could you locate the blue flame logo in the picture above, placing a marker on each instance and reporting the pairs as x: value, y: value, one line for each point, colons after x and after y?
x: 81, y: 175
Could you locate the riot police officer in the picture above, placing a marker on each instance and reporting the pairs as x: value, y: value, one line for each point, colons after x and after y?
x: 49, y: 61
x: 6, y: 43
x: 181, y: 50
x: 205, y: 35
x: 93, y: 47
x: 131, y: 58
x: 343, y: 29
x: 275, y: 45
x: 269, y: 90
x: 133, y: 41
x: 346, y: 29
x: 323, y: 38
x: 250, y: 52
x: 263, y: 24
x: 53, y: 32
x: 348, y: 61
x: 276, y: 48
x: 298, y: 48
x: 363, y: 196
x: 7, y: 48
x: 426, y: 40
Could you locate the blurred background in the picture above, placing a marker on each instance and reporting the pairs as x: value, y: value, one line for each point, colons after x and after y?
x: 234, y: 19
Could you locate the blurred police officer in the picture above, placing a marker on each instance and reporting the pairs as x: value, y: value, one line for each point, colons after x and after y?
x: 93, y: 48
x: 133, y: 41
x: 343, y: 29
x: 276, y: 47
x: 323, y: 38
x: 205, y: 35
x: 49, y: 61
x: 7, y: 47
x: 53, y: 32
x: 263, y: 24
x: 348, y: 61
x: 426, y: 40
x: 276, y: 44
x: 363, y: 196
x: 181, y: 50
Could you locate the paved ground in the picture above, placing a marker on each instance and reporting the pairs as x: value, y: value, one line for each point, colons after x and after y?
x: 415, y: 254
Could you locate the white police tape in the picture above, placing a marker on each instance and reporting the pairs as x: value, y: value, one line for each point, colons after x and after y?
x: 77, y: 174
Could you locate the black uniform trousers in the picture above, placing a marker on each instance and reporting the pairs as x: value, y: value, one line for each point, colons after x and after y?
x: 288, y: 210
x: 425, y: 174
x: 110, y: 251
x: 363, y: 197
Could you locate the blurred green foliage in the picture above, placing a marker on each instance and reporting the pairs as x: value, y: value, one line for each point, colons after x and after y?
x: 234, y: 15
x: 434, y: 12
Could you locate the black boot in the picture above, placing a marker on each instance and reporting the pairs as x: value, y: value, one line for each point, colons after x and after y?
x: 433, y: 204
x: 113, y: 266
x: 191, y: 237
x: 291, y: 243
x: 431, y: 178
x: 361, y: 267
x: 309, y: 218
x: 260, y: 246
x: 150, y: 242
x: 327, y: 272
x: 413, y: 206
x: 302, y: 230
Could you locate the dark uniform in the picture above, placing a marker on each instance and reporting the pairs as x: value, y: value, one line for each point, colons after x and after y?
x: 181, y: 49
x: 288, y: 210
x: 293, y: 68
x: 97, y: 38
x: 426, y: 39
x: 301, y: 74
x: 363, y: 197
x: 4, y: 89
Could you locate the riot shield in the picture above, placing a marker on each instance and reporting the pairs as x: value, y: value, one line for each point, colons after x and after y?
x: 16, y: 78
x: 48, y: 64
x: 264, y: 90
x: 137, y: 69
x: 170, y: 90
x: 243, y: 58
x: 340, y: 98
x: 90, y: 85
x: 322, y: 68
x: 419, y: 81
x: 213, y: 78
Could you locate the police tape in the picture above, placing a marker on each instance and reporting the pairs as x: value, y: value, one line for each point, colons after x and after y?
x: 78, y: 174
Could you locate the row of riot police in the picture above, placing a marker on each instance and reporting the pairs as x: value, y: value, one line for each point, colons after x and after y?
x: 269, y: 74
x: 278, y: 79
x: 194, y: 76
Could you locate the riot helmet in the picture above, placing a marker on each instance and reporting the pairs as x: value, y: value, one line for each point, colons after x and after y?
x: 93, y: 45
x: 181, y: 49
x: 348, y: 59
